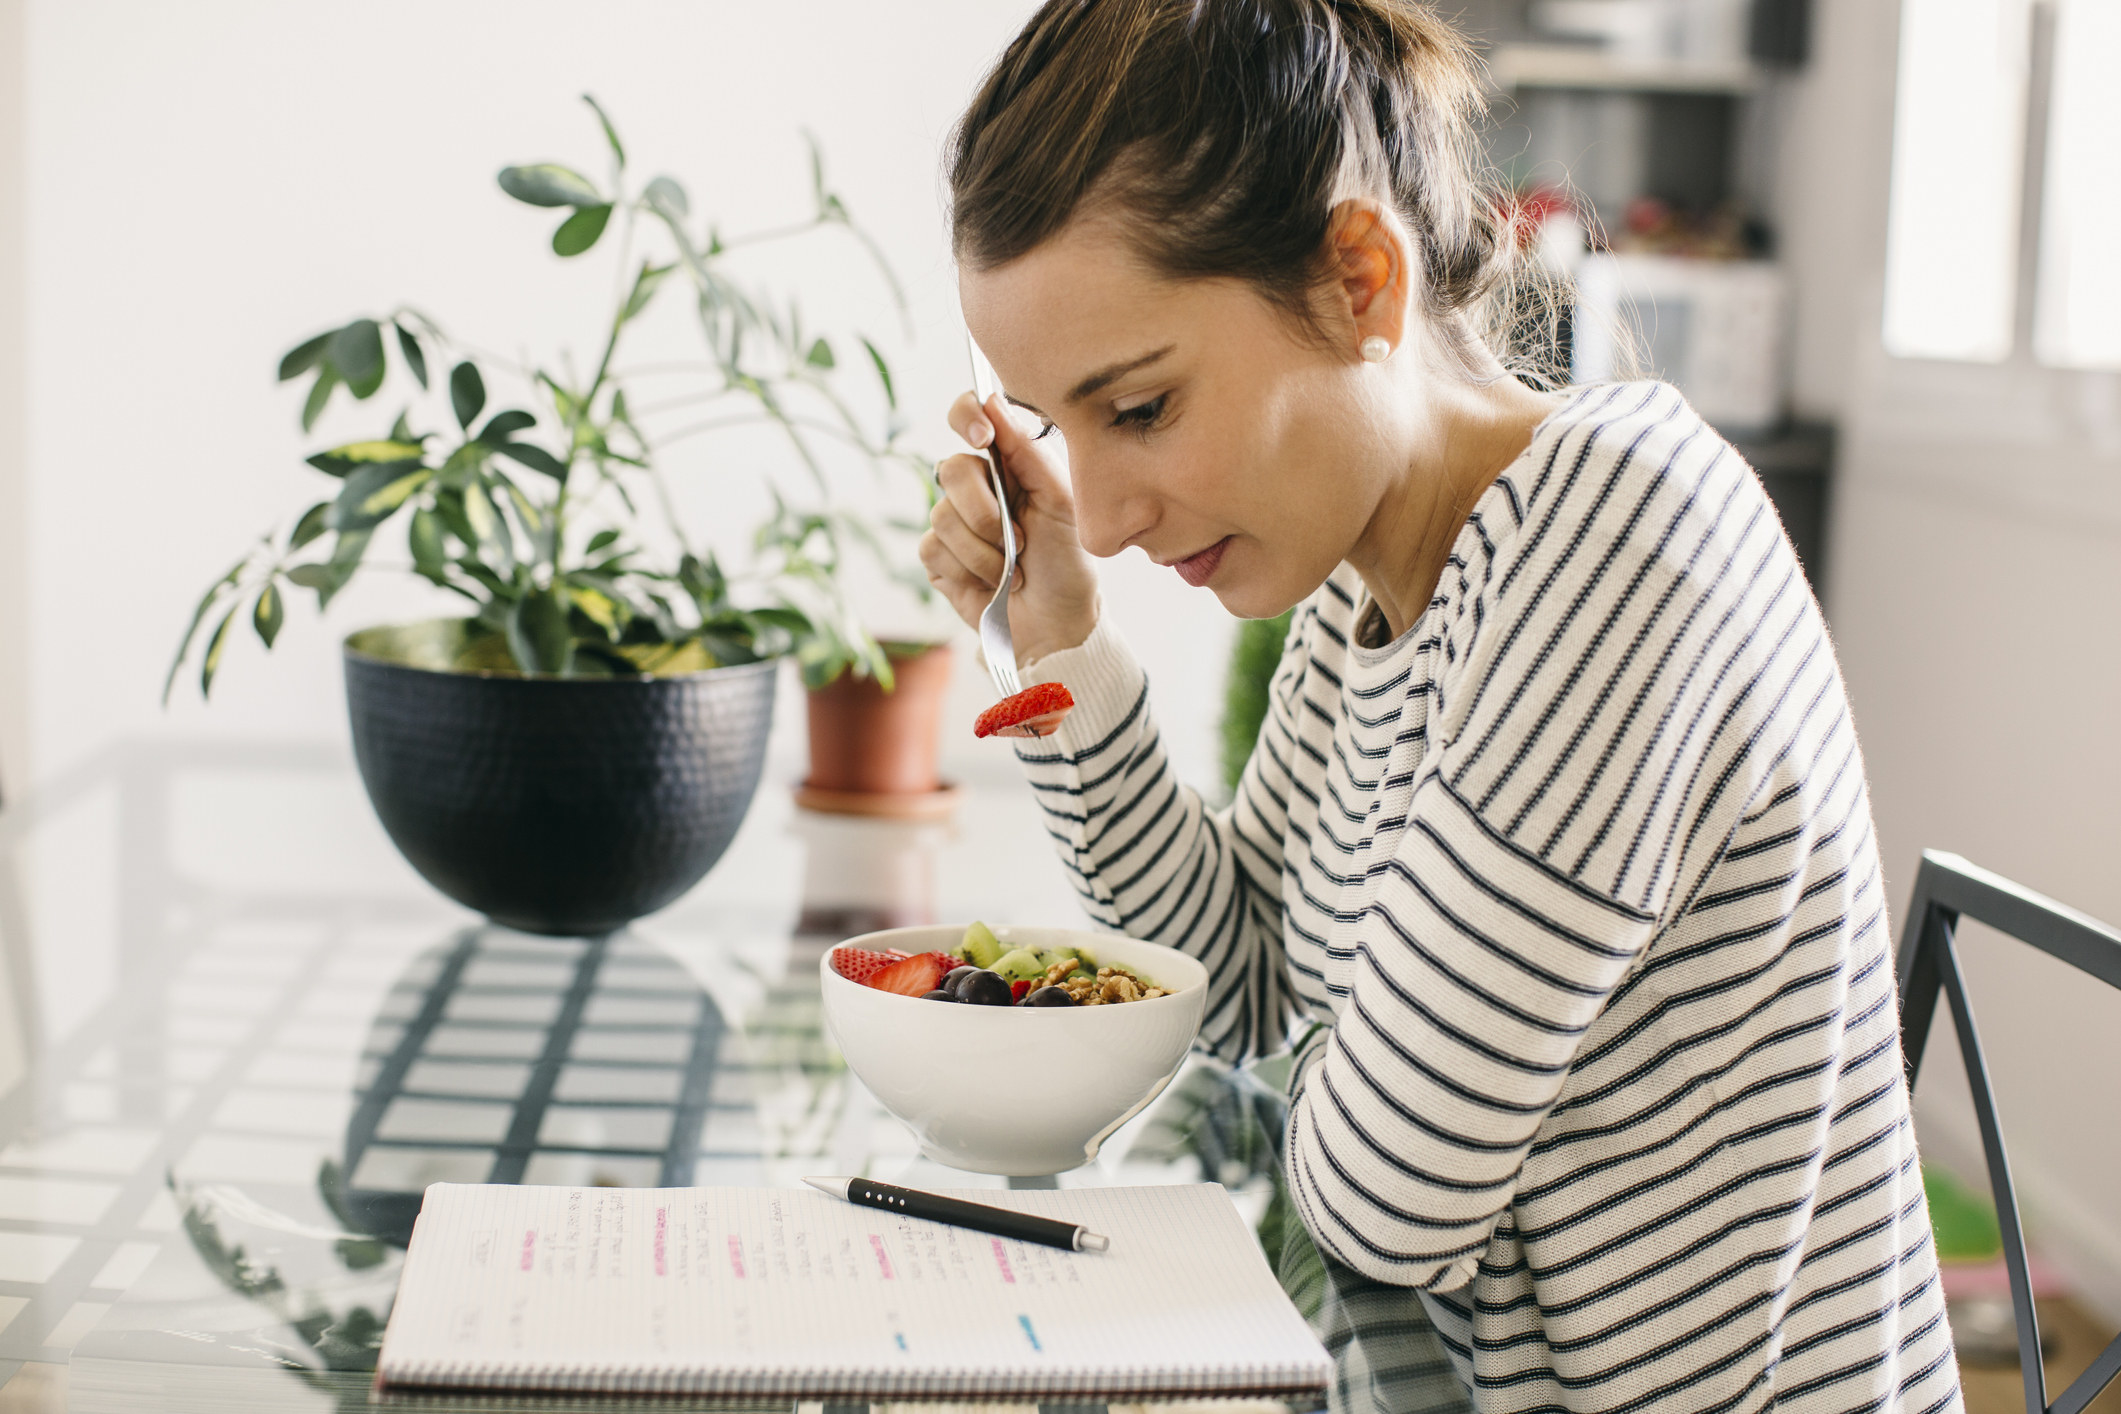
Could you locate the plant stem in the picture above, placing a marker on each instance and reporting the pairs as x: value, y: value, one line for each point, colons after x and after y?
x: 775, y: 233
x: 768, y: 420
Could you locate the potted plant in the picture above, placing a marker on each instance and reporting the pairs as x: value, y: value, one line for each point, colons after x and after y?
x: 875, y: 709
x: 578, y: 748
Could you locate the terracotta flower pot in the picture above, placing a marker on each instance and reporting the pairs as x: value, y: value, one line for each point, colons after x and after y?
x: 874, y: 752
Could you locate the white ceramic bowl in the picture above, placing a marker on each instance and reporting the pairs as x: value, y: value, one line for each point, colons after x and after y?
x: 1016, y: 1090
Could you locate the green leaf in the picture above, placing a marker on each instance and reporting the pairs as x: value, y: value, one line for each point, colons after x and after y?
x: 549, y: 184
x: 480, y: 515
x: 536, y: 458
x: 503, y: 425
x: 611, y: 134
x: 645, y: 285
x: 374, y: 492
x: 346, y: 556
x: 491, y: 531
x: 312, y: 576
x: 401, y: 430
x: 820, y: 355
x: 539, y: 638
x: 430, y: 552
x: 415, y: 357
x: 599, y: 540
x: 198, y: 616
x: 319, y: 393
x: 339, y: 461
x: 211, y: 664
x: 268, y: 614
x: 793, y: 620
x: 667, y: 199
x: 883, y: 373
x: 303, y: 356
x: 533, y: 522
x: 467, y: 392
x: 598, y: 607
x: 357, y: 352
x: 580, y: 231
x: 817, y: 170
x: 312, y: 524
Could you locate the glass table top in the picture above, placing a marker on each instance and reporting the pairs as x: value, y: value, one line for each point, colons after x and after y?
x: 239, y: 1036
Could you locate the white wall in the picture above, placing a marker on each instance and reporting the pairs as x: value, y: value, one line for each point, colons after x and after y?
x: 1976, y: 571
x: 14, y: 576
x: 209, y: 183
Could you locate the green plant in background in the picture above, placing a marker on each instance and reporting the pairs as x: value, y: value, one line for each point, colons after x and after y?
x: 1253, y: 658
x: 535, y: 519
x: 1962, y: 1221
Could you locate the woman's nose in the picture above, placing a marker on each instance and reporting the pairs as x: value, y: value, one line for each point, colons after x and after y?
x: 1111, y: 508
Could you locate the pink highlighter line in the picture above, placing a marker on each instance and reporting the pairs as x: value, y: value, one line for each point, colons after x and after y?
x: 1002, y: 1257
x: 883, y: 1260
x: 530, y: 1247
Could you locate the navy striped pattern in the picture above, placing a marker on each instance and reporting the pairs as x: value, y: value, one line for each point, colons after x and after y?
x: 1580, y: 874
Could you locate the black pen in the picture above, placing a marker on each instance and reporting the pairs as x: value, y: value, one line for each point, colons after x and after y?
x: 934, y: 1207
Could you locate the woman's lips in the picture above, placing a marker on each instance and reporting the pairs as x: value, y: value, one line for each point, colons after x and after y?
x: 1197, y: 570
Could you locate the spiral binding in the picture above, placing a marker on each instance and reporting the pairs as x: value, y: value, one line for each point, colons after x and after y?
x: 957, y: 1382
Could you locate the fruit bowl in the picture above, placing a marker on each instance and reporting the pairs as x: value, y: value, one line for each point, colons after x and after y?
x: 1016, y: 1090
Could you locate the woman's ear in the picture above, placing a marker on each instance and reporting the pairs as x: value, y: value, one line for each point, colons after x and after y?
x: 1372, y: 258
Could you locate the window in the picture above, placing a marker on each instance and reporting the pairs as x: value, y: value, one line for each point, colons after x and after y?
x: 2077, y: 310
x: 1959, y: 148
x: 1951, y: 249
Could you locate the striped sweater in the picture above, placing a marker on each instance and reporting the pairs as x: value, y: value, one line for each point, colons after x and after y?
x: 1579, y: 874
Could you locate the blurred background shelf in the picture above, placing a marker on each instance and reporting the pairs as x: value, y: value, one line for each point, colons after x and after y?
x: 1517, y: 66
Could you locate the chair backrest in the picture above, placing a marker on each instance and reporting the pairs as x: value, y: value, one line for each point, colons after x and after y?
x: 1946, y: 890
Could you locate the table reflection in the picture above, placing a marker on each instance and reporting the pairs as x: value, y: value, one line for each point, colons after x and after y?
x: 249, y: 1037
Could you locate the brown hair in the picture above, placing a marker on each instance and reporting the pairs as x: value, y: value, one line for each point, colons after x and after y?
x: 1222, y: 132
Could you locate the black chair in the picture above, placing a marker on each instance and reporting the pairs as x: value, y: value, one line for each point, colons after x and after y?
x: 1946, y: 890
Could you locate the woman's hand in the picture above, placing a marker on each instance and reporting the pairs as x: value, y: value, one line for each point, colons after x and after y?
x: 1053, y: 604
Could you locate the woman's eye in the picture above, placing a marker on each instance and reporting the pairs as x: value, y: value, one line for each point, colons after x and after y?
x: 1044, y: 427
x: 1142, y: 416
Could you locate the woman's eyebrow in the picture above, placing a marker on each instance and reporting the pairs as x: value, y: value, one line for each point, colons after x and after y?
x: 1096, y: 380
x: 1108, y: 374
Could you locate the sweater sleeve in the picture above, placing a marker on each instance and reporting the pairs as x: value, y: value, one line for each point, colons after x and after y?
x: 1479, y: 968
x: 1148, y: 857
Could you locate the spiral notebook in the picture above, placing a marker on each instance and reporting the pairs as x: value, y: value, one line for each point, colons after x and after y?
x: 791, y: 1294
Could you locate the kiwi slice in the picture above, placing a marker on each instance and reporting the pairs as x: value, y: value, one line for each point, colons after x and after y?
x: 981, y: 946
x: 1020, y: 965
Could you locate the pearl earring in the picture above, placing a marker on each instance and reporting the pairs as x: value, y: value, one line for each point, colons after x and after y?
x: 1375, y: 350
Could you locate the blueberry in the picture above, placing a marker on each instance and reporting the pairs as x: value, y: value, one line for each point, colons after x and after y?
x: 955, y: 978
x: 984, y: 988
x: 938, y: 995
x: 1050, y: 996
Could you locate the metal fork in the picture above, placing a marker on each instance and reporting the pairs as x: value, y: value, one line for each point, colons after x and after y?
x: 994, y: 640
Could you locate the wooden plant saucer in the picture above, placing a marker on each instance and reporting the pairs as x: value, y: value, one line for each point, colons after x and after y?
x: 919, y: 807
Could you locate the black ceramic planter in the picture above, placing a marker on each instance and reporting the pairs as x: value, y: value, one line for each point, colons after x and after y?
x: 566, y: 806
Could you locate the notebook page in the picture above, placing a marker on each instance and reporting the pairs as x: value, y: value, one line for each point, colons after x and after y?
x: 766, y: 1290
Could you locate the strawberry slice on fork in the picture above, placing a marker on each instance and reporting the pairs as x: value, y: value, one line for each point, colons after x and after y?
x: 1036, y: 711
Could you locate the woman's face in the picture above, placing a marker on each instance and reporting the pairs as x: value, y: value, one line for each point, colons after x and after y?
x: 1200, y: 424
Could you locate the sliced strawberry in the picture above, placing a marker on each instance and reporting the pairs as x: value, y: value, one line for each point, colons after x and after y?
x: 861, y: 964
x: 1036, y: 711
x: 1019, y: 989
x: 914, y: 976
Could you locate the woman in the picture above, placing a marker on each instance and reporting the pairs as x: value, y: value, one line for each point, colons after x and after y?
x: 1557, y: 825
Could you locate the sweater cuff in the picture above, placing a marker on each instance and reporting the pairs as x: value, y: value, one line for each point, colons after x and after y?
x: 1104, y: 679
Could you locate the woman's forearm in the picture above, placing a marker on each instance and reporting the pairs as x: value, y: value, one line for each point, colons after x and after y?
x: 1147, y: 856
